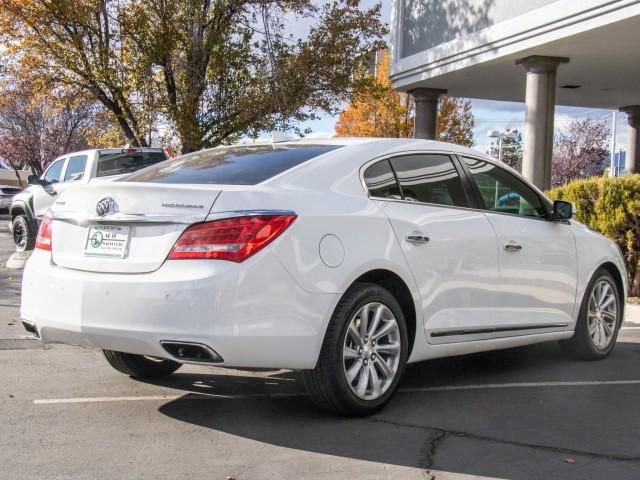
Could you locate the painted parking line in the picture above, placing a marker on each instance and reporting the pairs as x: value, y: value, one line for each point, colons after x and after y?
x: 492, y: 386
x: 443, y: 388
x: 48, y: 401
x: 185, y: 396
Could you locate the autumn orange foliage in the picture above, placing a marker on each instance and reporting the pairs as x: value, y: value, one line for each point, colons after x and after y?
x: 381, y: 111
x: 378, y: 111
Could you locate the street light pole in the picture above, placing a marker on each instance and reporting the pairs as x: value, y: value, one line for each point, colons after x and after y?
x: 499, y: 135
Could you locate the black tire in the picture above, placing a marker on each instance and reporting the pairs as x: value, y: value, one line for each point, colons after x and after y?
x: 139, y: 366
x: 23, y: 235
x: 327, y: 383
x: 581, y: 345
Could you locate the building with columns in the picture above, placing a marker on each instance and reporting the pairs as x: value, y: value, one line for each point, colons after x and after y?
x: 583, y: 53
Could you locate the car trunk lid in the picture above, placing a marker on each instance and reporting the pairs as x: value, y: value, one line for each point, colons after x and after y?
x: 124, y: 227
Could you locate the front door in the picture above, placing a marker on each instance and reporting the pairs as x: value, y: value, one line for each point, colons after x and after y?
x: 44, y: 195
x: 538, y: 263
x: 451, y: 249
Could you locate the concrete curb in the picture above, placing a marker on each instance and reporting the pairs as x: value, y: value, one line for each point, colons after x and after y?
x: 17, y: 260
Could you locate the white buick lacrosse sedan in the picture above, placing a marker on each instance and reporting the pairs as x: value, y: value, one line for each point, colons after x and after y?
x: 344, y: 258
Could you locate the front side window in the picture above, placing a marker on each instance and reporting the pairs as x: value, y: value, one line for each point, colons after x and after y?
x: 75, y: 168
x: 429, y: 178
x: 503, y: 192
x: 381, y: 181
x: 54, y: 172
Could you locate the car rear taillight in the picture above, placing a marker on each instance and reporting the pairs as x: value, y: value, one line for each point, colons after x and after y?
x: 234, y: 239
x: 43, y: 240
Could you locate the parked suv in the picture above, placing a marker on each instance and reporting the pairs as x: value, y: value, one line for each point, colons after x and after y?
x: 78, y: 168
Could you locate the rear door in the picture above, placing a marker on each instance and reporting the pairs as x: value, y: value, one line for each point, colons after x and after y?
x: 538, y: 263
x: 451, y: 248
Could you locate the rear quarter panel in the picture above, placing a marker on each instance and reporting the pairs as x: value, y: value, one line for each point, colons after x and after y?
x: 335, y: 217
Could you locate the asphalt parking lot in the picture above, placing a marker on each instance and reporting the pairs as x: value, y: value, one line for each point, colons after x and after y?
x: 527, y: 413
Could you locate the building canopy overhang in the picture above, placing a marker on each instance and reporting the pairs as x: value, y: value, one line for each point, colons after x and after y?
x: 600, y: 39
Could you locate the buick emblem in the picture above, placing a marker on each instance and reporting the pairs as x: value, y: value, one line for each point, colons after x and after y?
x: 105, y: 206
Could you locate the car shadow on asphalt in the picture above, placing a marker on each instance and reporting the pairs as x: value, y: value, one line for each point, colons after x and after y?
x: 422, y: 427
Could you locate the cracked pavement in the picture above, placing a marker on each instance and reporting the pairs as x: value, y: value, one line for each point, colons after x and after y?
x: 528, y: 413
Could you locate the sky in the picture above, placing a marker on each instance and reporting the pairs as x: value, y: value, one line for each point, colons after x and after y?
x: 488, y: 114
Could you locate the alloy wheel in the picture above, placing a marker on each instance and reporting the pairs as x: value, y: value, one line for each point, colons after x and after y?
x: 602, y: 314
x: 371, y: 351
x: 19, y: 236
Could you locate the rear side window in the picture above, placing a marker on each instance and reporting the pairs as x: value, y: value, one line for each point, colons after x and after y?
x: 75, y: 168
x: 245, y: 165
x: 381, y: 181
x: 126, y: 162
x: 429, y: 178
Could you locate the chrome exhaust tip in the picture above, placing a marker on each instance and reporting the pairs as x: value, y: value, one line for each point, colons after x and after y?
x: 191, y: 352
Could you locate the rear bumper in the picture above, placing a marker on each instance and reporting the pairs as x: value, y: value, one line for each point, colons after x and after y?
x: 252, y: 314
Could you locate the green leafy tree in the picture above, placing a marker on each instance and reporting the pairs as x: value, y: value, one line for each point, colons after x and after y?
x: 511, y: 149
x: 215, y: 69
x: 611, y: 206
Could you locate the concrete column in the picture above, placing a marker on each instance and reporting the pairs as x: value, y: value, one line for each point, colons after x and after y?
x: 426, y: 111
x: 633, y: 142
x: 540, y: 108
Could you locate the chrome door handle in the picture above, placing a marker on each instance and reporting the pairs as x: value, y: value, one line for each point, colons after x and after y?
x: 513, y: 247
x: 416, y: 238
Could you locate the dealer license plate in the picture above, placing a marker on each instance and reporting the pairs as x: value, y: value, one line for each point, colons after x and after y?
x: 107, y: 241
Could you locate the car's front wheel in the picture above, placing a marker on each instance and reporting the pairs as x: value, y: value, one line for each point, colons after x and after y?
x: 364, y: 353
x: 599, y: 319
x: 140, y: 366
x: 23, y: 236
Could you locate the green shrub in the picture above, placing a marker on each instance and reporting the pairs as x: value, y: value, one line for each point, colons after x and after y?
x: 611, y: 206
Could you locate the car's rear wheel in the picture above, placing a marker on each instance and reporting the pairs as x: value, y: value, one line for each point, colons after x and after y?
x: 23, y: 236
x: 140, y: 366
x: 364, y: 353
x: 599, y: 319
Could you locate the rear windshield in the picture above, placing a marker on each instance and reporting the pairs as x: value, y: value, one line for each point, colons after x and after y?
x: 245, y: 165
x: 126, y: 162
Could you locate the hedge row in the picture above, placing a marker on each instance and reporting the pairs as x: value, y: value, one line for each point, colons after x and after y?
x: 611, y: 206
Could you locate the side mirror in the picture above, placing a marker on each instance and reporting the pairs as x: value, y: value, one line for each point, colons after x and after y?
x: 563, y: 210
x: 33, y: 180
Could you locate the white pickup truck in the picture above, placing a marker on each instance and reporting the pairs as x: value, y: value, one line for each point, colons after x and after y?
x: 88, y: 166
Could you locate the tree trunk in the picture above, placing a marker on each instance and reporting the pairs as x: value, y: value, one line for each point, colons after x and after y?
x: 15, y: 170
